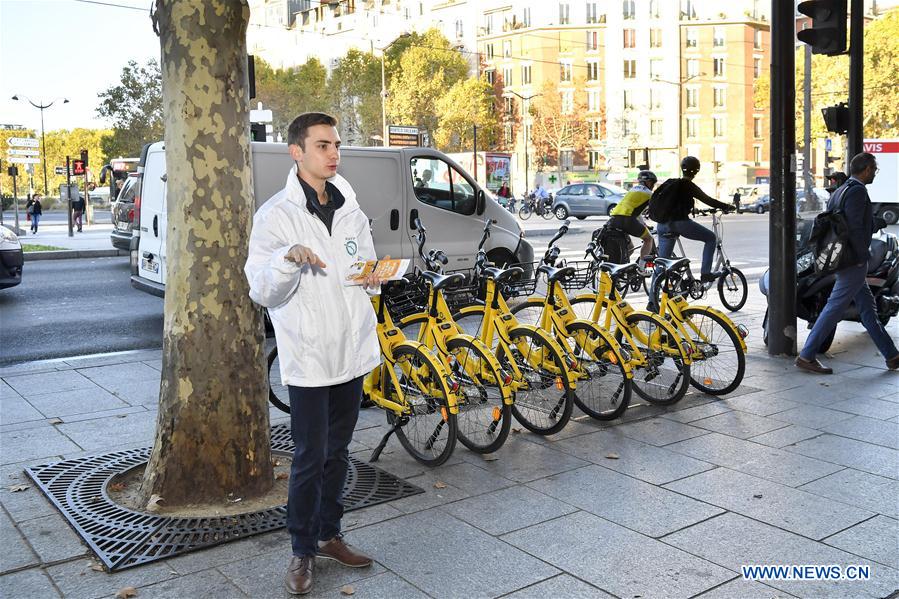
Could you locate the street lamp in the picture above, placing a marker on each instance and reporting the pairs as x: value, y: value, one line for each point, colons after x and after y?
x: 41, y: 107
x: 384, y: 89
x: 524, y: 119
x: 680, y: 116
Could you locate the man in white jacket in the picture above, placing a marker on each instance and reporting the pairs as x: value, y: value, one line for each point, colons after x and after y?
x: 303, y: 241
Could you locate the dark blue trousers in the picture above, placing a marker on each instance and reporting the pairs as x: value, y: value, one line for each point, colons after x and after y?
x: 322, y: 420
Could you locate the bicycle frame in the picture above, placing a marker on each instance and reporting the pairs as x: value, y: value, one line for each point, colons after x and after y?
x: 720, y: 263
x: 672, y: 309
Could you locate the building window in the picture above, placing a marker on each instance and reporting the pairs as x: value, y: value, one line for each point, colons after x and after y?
x: 489, y: 51
x: 757, y: 39
x: 655, y: 127
x: 757, y: 154
x: 508, y: 106
x: 628, y: 99
x: 526, y: 16
x: 592, y: 100
x: 628, y: 9
x: 627, y: 127
x: 655, y: 99
x: 718, y: 37
x: 594, y: 130
x: 757, y: 127
x: 692, y: 127
x: 564, y: 13
x: 654, y: 9
x: 566, y: 159
x: 692, y: 67
x: 488, y: 24
x: 508, y: 134
x: 718, y: 65
x: 507, y: 48
x: 687, y: 10
x: 630, y: 69
x: 756, y: 67
x: 592, y: 70
x: 630, y: 38
x: 507, y: 76
x: 565, y: 71
x: 655, y: 38
x: 655, y: 68
x: 692, y: 97
x: 567, y: 101
x: 460, y: 32
x: 592, y: 41
x: 593, y: 159
x: 692, y: 38
x: 526, y: 74
x: 592, y: 14
x: 718, y: 126
x: 491, y: 76
x: 720, y: 97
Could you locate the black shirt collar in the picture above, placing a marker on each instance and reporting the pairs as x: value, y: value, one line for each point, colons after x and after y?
x: 325, y: 212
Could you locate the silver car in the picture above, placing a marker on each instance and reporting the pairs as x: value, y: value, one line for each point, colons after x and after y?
x: 586, y: 199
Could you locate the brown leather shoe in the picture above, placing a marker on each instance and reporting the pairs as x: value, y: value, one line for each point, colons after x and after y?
x: 342, y: 553
x: 813, y: 366
x: 299, y: 575
x: 893, y: 363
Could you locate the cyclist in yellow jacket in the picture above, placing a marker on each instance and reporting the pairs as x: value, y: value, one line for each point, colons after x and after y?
x: 626, y: 215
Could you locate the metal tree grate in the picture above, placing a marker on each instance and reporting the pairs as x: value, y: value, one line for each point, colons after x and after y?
x: 122, y: 538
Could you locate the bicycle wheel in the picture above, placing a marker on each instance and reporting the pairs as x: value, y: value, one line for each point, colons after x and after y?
x: 484, y: 420
x: 664, y: 376
x: 548, y: 214
x: 604, y: 391
x: 277, y: 392
x: 732, y: 289
x: 428, y: 431
x: 675, y: 284
x: 543, y: 405
x: 583, y: 307
x: 720, y: 362
x: 470, y: 320
x: 529, y: 311
x: 524, y: 213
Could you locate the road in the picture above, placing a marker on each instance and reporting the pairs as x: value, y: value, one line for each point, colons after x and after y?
x: 65, y: 308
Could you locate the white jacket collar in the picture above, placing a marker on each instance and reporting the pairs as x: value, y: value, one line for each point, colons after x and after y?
x: 296, y: 194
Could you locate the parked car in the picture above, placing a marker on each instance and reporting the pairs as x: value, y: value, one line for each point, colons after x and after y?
x: 760, y: 204
x: 123, y: 210
x: 11, y: 259
x: 586, y: 199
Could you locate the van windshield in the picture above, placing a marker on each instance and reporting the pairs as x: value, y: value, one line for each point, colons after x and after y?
x: 440, y: 185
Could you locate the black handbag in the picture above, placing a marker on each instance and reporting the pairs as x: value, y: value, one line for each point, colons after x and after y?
x: 830, y: 238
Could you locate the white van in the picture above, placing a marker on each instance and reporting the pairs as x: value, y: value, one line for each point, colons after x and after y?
x: 394, y: 186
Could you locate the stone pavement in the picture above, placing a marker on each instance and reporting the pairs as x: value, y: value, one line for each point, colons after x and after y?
x: 791, y: 469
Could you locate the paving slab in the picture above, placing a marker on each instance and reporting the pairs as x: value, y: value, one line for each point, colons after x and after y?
x: 869, y: 430
x: 437, y: 492
x: 873, y: 408
x: 697, y: 412
x: 523, y: 461
x: 755, y: 459
x: 115, y: 374
x: 741, y: 588
x: 52, y: 538
x: 659, y: 431
x: 618, y: 560
x: 144, y: 393
x: 35, y: 443
x: 761, y: 403
x: 14, y: 408
x: 76, y: 578
x: 875, y: 459
x: 208, y: 583
x: 785, y: 436
x: 435, y: 551
x: 473, y: 479
x: 220, y: 556
x: 822, y: 392
x: 562, y: 585
x: 76, y: 401
x: 733, y: 541
x: 27, y: 583
x: 22, y: 505
x: 816, y: 417
x: 16, y: 554
x: 791, y: 509
x: 386, y: 584
x: 876, y: 539
x: 868, y: 491
x: 611, y: 449
x: 48, y: 382
x: 99, y: 433
x: 506, y: 510
x: 369, y: 515
x: 739, y: 424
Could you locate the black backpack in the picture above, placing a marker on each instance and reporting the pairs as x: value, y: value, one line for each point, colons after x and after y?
x: 830, y: 237
x: 663, y: 201
x: 614, y: 244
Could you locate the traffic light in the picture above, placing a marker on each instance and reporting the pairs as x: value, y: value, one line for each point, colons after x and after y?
x: 84, y: 157
x: 77, y: 167
x: 827, y: 34
x: 836, y: 118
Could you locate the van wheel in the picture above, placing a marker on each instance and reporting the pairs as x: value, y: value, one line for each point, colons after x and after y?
x: 501, y: 258
x: 610, y: 208
x: 760, y: 209
x: 581, y: 217
x: 891, y: 215
x: 561, y: 212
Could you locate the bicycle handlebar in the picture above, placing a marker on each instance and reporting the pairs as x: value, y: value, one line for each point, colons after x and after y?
x: 486, y: 234
x: 434, y: 258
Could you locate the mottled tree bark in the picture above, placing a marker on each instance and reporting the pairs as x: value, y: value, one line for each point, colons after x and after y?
x: 212, y: 433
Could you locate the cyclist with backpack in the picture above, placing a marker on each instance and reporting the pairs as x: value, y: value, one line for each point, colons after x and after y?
x: 626, y: 215
x: 670, y: 206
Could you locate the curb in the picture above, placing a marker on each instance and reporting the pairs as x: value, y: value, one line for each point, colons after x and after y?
x: 71, y: 254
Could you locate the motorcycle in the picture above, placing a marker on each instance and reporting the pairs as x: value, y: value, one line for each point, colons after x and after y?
x: 813, y: 288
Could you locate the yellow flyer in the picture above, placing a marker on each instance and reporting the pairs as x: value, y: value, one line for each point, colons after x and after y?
x: 387, y: 270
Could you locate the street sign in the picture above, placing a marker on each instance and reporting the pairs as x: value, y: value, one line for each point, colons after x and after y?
x: 828, y: 145
x: 22, y: 142
x: 21, y: 152
x: 24, y: 160
x: 616, y: 152
x: 60, y: 170
x: 402, y: 136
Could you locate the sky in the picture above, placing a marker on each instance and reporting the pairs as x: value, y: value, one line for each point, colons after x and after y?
x: 70, y: 49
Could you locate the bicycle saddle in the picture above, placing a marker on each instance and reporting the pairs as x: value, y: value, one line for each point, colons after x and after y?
x: 671, y: 263
x: 503, y: 274
x: 439, y: 281
x: 617, y: 270
x: 556, y: 274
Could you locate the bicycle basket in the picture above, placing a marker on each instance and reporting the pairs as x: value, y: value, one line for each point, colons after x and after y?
x: 411, y: 298
x: 525, y: 284
x: 584, y: 276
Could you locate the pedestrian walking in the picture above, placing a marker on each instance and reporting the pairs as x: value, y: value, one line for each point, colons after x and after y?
x: 850, y: 285
x: 77, y: 211
x: 28, y: 208
x: 303, y: 240
x: 737, y: 199
x: 36, y: 212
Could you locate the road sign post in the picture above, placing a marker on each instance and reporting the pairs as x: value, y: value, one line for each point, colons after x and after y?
x: 69, y: 194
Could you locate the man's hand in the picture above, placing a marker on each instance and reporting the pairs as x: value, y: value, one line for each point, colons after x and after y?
x: 301, y: 255
x: 373, y: 281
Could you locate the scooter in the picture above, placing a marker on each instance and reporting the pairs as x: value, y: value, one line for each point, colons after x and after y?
x: 813, y: 288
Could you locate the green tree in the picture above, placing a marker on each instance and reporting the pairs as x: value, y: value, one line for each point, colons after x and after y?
x: 354, y: 89
x: 467, y: 103
x: 555, y: 128
x: 428, y: 67
x: 134, y: 108
x: 289, y: 92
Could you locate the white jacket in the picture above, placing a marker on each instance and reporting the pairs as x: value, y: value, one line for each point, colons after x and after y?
x: 325, y: 331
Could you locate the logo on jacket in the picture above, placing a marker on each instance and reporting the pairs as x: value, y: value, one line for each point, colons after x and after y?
x: 351, y: 247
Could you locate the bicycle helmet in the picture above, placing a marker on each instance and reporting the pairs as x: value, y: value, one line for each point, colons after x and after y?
x: 689, y: 166
x: 647, y: 178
